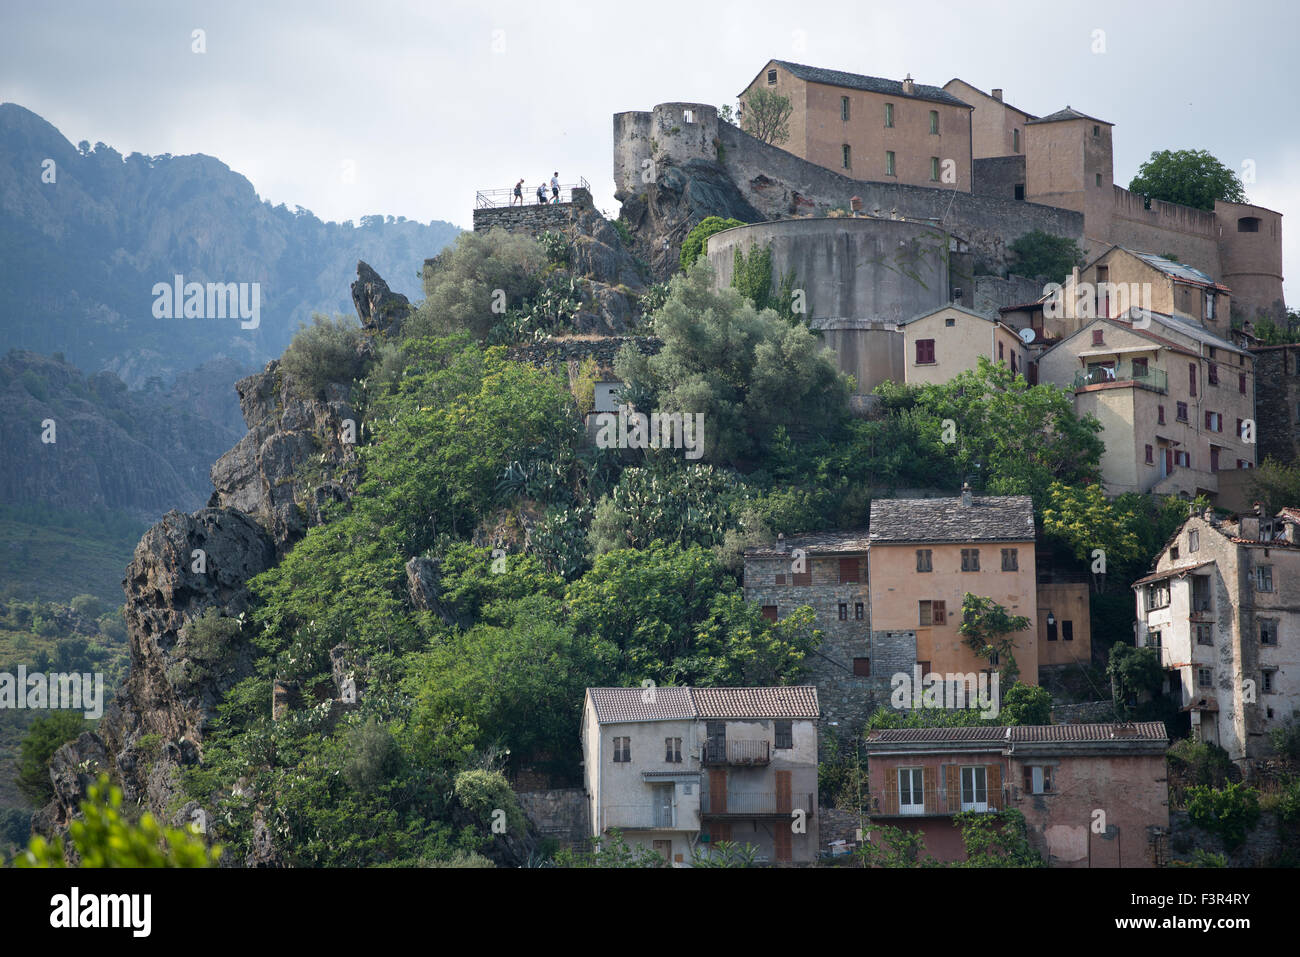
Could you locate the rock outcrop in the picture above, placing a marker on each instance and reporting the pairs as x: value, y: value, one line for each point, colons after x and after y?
x: 379, y: 308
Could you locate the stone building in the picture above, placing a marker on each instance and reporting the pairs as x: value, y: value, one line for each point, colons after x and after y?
x: 1176, y: 402
x: 872, y: 128
x: 678, y: 769
x: 926, y: 554
x: 940, y: 344
x: 827, y: 571
x: 1222, y: 608
x: 1277, y: 397
x: 1058, y: 776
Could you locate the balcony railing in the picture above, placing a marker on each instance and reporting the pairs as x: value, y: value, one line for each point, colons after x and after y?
x: 756, y: 804
x: 937, y: 801
x: 745, y: 753
x: 493, y: 198
x: 1123, y: 374
x: 647, y: 817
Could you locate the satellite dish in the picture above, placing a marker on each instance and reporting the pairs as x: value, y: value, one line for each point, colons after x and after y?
x: 1028, y: 335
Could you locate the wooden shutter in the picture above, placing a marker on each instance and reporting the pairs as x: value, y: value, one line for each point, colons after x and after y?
x: 939, y: 612
x: 718, y: 791
x: 783, y: 796
x: 952, y: 788
x: 783, y: 842
x: 769, y: 612
x: 927, y: 782
x: 995, y: 786
x: 848, y: 571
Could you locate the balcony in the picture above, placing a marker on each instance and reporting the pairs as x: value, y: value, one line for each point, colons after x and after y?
x: 755, y: 804
x: 748, y: 754
x: 1123, y: 375
x: 647, y: 817
x: 887, y: 803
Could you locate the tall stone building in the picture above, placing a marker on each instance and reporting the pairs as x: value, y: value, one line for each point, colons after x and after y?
x: 1277, y: 394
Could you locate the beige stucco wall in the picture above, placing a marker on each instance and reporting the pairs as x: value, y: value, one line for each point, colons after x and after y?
x: 957, y: 347
x: 1067, y: 601
x: 1062, y: 160
x: 992, y: 121
x: 897, y: 587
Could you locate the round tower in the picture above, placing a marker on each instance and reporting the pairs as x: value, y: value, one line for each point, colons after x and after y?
x: 1250, y: 253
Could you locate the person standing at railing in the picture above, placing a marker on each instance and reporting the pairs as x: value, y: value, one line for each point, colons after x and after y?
x: 555, y: 187
x: 541, y: 193
x: 519, y: 192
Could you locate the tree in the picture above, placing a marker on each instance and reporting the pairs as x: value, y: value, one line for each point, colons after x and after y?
x: 748, y: 372
x: 752, y: 277
x: 696, y: 240
x: 47, y: 734
x: 1271, y: 332
x: 1026, y: 704
x: 989, y: 629
x: 996, y: 840
x: 1275, y: 486
x: 767, y: 116
x: 324, y: 352
x: 1045, y: 257
x: 1134, y: 672
x: 1189, y: 177
x: 102, y: 837
x: 1084, y: 520
x: 1229, y: 812
x: 690, y: 505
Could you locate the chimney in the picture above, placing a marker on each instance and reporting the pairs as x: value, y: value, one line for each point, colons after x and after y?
x: 965, y: 494
x: 1249, y: 525
x: 908, y: 85
x: 781, y: 546
x: 997, y: 94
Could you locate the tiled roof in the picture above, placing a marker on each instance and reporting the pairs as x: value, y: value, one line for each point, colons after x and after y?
x: 1180, y: 271
x: 787, y: 701
x: 814, y: 543
x: 1025, y: 734
x: 872, y: 84
x: 1186, y: 327
x: 617, y: 705
x: 989, y: 518
x: 1066, y: 114
x: 1170, y: 572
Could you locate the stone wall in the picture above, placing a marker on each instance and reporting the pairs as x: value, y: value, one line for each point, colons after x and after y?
x: 558, y: 353
x: 1265, y: 845
x: 1277, y: 401
x: 1084, y: 712
x: 533, y: 218
x: 780, y: 185
x: 836, y: 824
x: 561, y: 815
x: 998, y: 176
x: 992, y: 293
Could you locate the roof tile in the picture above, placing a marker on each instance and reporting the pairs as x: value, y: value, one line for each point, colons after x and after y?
x: 989, y: 518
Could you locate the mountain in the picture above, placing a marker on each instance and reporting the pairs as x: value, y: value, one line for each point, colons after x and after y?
x: 87, y: 234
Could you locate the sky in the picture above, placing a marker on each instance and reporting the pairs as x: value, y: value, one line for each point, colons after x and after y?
x: 407, y: 108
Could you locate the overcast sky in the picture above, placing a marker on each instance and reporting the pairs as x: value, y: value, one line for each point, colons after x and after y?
x: 419, y: 103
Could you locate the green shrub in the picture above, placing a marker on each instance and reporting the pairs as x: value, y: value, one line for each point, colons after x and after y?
x: 693, y: 245
x: 624, y: 233
x: 324, y: 352
x: 46, y: 735
x: 555, y: 246
x: 1228, y: 813
x: 1045, y: 257
x: 372, y: 756
x: 1286, y: 740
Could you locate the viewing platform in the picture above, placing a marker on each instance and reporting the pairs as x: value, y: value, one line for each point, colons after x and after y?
x: 493, y: 209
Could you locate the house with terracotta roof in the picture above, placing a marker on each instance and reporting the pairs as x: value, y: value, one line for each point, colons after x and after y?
x: 680, y: 769
x: 1093, y: 795
x: 1222, y: 610
x: 1176, y: 401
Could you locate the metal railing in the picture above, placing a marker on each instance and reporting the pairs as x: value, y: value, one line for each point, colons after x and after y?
x: 737, y: 752
x: 938, y: 801
x: 494, y: 198
x: 645, y: 817
x: 1145, y: 378
x: 756, y: 804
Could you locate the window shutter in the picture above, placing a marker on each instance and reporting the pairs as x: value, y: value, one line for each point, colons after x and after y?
x: 951, y: 788
x: 848, y: 571
x: 927, y: 782
x: 939, y: 612
x: 995, y: 786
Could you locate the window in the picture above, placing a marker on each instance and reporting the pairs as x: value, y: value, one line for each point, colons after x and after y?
x: 1067, y: 630
x: 889, y: 163
x: 1098, y: 337
x: 769, y: 612
x: 923, y: 560
x: 688, y: 116
x: 911, y: 791
x: 1158, y: 595
x: 1183, y: 459
x: 950, y: 322
x: 1153, y: 639
x: 1182, y: 412
x: 844, y: 611
x: 1191, y: 379
x: 1212, y: 374
x: 1268, y: 631
x: 1151, y: 460
x: 970, y: 559
x: 771, y: 78
x: 1096, y: 131
x: 974, y: 789
x: 1266, y: 685
x: 1205, y: 635
x: 1015, y: 146
x: 1051, y: 627
x: 1214, y: 421
x: 1248, y: 224
x: 1011, y: 559
x: 673, y: 750
x: 1140, y: 369
x: 1204, y: 677
x: 1160, y: 415
x: 622, y: 750
x: 1001, y: 351
x: 1038, y: 779
x: 858, y: 611
x: 862, y: 667
x: 934, y: 169
x: 784, y: 731
x: 1020, y: 191
x: 1193, y: 541
x: 1263, y: 578
x: 1241, y: 383
x: 934, y: 121
x: 1098, y: 179
x: 889, y: 116
x: 1209, y: 305
x: 801, y: 578
x: 924, y: 351
x: 844, y: 108
x: 846, y: 156
x: 780, y: 578
x: 849, y: 568
x: 933, y: 613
